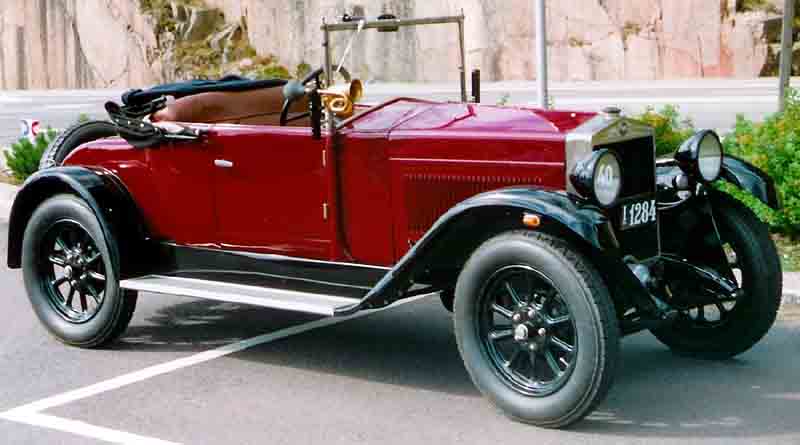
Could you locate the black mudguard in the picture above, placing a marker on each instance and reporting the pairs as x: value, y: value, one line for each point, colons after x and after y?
x: 461, y: 230
x: 736, y: 171
x: 102, y: 191
x: 750, y: 178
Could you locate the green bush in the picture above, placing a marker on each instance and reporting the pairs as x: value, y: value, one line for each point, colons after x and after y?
x: 773, y: 146
x: 670, y: 129
x: 24, y: 156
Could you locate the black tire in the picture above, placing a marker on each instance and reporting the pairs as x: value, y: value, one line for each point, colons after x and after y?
x: 587, y: 302
x: 447, y: 297
x: 755, y: 312
x: 72, y: 138
x: 65, y: 220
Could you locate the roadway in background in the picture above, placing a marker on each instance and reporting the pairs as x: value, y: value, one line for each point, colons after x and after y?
x: 709, y: 103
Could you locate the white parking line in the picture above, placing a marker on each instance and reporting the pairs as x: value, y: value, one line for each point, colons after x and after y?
x: 31, y: 413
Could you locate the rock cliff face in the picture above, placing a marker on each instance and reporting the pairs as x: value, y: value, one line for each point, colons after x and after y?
x: 118, y: 43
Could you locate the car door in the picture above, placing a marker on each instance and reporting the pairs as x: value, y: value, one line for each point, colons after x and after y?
x: 271, y: 190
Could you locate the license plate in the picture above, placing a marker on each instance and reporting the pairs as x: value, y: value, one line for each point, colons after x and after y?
x: 640, y: 213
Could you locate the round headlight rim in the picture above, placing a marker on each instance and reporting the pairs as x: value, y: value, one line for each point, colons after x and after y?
x: 599, y: 154
x: 712, y: 134
x: 688, y: 155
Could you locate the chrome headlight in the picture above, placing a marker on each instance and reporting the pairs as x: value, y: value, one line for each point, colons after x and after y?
x: 701, y: 156
x: 599, y: 177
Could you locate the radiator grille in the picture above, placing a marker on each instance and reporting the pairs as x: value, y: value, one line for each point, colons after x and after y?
x: 637, y: 158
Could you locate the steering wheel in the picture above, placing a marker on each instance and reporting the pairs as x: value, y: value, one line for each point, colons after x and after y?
x: 294, y: 90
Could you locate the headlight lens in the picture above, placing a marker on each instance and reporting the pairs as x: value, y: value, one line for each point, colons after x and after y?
x: 701, y: 156
x: 599, y: 176
x: 709, y: 159
x: 607, y: 179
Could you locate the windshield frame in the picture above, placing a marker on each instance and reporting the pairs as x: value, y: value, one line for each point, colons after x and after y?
x: 392, y: 25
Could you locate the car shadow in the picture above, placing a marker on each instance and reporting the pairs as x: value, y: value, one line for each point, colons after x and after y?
x: 656, y: 393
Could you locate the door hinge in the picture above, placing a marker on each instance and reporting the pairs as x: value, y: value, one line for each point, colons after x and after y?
x: 325, y: 211
x: 324, y: 158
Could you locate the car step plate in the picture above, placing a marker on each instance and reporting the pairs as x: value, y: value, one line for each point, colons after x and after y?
x: 239, y: 293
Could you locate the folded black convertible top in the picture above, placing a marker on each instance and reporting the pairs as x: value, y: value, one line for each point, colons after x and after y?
x: 181, y: 89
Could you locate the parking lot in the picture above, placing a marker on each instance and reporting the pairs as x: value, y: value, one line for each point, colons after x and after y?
x: 200, y: 372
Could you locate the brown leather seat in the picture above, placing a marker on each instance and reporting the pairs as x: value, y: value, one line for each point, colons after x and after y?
x: 254, y: 107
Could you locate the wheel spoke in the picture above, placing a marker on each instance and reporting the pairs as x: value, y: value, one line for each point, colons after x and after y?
x: 500, y: 334
x: 93, y: 294
x: 532, y: 359
x: 701, y: 313
x: 558, y: 320
x: 551, y: 361
x: 514, y: 357
x: 94, y: 258
x: 97, y: 275
x: 71, y: 296
x: 513, y: 293
x: 60, y: 243
x: 502, y: 311
x: 59, y: 281
x: 84, y: 303
x: 561, y: 344
x: 57, y: 260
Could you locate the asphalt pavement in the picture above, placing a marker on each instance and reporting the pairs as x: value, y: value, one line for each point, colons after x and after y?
x: 710, y: 103
x: 203, y: 372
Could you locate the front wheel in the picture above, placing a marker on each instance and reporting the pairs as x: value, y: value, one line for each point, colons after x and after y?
x: 70, y: 277
x: 728, y: 328
x: 536, y: 328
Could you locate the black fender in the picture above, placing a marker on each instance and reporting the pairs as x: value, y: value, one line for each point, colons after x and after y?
x: 102, y: 191
x: 465, y: 226
x: 750, y: 178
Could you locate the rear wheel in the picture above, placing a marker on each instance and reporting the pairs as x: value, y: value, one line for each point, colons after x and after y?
x: 727, y: 328
x: 72, y: 138
x: 536, y: 328
x: 69, y: 275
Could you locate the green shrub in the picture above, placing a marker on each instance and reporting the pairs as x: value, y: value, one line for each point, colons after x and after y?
x: 23, y: 159
x: 670, y: 129
x: 773, y: 146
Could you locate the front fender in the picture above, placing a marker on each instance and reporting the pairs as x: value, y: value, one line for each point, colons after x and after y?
x: 102, y: 191
x: 460, y: 230
x: 751, y: 179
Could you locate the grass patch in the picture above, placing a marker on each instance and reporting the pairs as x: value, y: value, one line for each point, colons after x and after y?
x: 5, y: 178
x: 789, y: 252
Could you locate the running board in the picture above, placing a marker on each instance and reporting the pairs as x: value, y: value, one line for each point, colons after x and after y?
x: 239, y: 293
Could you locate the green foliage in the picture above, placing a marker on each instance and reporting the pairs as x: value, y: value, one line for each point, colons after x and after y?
x: 755, y: 5
x: 774, y: 146
x: 23, y: 159
x: 670, y: 129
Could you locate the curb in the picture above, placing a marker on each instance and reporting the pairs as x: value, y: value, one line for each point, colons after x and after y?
x: 791, y: 296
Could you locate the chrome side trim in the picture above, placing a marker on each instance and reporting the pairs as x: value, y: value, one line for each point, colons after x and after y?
x: 238, y: 293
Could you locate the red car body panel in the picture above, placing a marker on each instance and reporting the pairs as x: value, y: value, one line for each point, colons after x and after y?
x: 393, y: 171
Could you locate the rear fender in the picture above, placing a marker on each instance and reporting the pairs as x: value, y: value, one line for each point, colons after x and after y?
x: 440, y: 254
x: 102, y: 191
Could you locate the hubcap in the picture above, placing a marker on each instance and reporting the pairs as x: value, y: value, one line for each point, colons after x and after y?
x: 527, y: 331
x: 72, y: 266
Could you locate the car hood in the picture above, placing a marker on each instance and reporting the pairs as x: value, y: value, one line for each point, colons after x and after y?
x: 414, y: 115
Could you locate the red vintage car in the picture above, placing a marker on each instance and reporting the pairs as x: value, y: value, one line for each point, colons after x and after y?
x: 549, y: 234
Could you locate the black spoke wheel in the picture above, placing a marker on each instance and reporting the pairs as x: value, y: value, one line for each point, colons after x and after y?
x: 73, y: 270
x: 527, y: 330
x: 721, y: 326
x: 536, y: 328
x: 70, y: 277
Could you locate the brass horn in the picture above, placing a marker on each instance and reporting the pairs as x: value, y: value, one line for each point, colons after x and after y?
x: 339, y: 100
